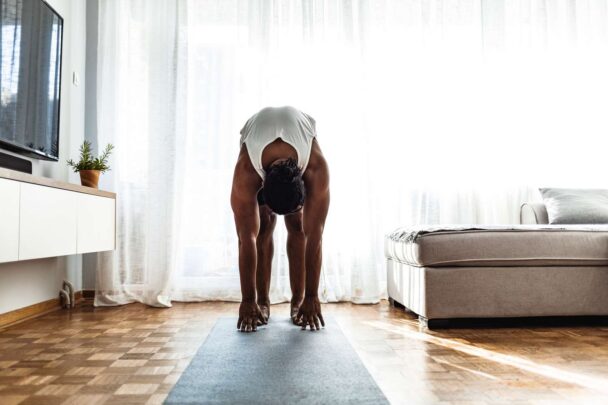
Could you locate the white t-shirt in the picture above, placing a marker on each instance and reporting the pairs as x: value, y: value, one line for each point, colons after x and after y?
x: 291, y: 125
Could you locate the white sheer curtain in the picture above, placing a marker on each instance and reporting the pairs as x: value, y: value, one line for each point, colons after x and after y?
x: 428, y: 111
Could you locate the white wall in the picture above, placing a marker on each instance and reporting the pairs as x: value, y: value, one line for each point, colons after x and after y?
x: 31, y: 282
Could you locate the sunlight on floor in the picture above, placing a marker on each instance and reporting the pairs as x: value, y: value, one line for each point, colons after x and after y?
x: 469, y: 370
x: 598, y: 384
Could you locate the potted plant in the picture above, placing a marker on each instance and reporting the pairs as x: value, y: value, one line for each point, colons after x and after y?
x: 91, y: 167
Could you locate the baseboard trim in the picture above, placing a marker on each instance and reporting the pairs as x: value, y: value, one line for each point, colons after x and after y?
x: 33, y: 311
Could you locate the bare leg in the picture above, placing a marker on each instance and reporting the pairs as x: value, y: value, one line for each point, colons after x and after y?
x: 296, y: 243
x: 265, y: 251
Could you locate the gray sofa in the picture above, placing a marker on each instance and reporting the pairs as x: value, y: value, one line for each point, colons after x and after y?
x: 527, y: 270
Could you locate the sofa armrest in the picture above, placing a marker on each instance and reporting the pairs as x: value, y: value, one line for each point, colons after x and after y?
x: 533, y: 213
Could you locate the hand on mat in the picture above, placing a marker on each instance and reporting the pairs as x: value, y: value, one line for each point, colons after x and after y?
x: 293, y: 311
x: 310, y: 314
x: 249, y: 314
x: 265, y: 309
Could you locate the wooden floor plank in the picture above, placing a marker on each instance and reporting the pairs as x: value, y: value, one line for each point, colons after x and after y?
x: 135, y: 354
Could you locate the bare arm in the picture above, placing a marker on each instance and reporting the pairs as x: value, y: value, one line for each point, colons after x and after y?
x: 316, y: 207
x: 315, y: 212
x: 245, y: 186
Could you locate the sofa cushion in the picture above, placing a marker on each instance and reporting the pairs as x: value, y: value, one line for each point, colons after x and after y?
x: 513, y: 245
x: 576, y: 206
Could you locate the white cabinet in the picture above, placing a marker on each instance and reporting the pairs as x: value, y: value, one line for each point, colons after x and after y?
x: 9, y: 220
x: 95, y: 223
x: 42, y: 217
x: 48, y: 222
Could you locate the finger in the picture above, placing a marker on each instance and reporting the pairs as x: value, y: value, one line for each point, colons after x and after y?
x: 321, y: 319
x: 261, y: 320
x: 249, y: 323
x: 238, y: 323
x: 243, y: 326
x: 312, y: 322
x: 316, y: 319
x: 254, y: 325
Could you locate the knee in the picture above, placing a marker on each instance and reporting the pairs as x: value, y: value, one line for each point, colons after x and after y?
x: 272, y: 219
x: 247, y: 239
x: 295, y: 227
x: 267, y: 225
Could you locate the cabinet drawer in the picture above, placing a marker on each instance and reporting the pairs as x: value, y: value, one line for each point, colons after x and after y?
x: 48, y: 222
x: 95, y: 223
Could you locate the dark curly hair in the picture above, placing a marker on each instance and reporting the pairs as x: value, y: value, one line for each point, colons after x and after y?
x: 284, y: 188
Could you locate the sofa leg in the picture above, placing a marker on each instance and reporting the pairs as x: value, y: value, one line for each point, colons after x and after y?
x: 433, y: 324
x: 395, y: 304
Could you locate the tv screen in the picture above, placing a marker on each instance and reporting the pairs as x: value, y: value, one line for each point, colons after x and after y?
x: 30, y: 70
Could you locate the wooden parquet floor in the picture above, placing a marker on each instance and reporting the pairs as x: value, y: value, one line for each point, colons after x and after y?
x: 134, y: 355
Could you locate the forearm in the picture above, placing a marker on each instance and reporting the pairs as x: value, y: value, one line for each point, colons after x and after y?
x: 296, y: 248
x: 247, y: 268
x: 313, y: 262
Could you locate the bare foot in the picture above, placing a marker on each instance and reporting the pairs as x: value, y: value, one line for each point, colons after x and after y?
x: 293, y: 311
x: 265, y: 309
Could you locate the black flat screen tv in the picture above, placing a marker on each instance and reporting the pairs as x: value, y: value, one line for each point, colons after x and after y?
x: 31, y: 39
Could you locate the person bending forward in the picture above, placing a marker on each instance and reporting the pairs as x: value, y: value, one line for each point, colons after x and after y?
x: 280, y: 171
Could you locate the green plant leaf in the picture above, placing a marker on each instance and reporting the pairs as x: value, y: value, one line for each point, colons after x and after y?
x: 89, y: 162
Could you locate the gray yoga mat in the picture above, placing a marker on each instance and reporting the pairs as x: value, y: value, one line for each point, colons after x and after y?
x: 278, y: 364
